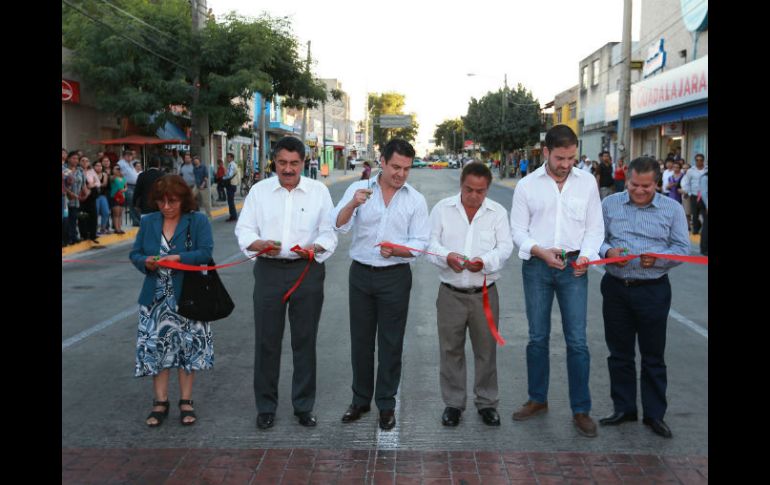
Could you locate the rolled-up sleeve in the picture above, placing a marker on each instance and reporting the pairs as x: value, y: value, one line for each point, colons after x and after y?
x: 419, y: 227
x: 520, y: 224
x: 495, y: 259
x: 327, y: 237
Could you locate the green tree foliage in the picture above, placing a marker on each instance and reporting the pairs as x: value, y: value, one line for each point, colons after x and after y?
x: 516, y: 126
x: 139, y: 58
x: 391, y: 104
x: 450, y: 133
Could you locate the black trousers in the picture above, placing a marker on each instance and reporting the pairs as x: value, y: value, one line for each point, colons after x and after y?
x: 704, y: 234
x: 697, y: 208
x: 631, y: 313
x: 379, y: 303
x: 231, y: 200
x: 271, y: 280
x: 87, y: 225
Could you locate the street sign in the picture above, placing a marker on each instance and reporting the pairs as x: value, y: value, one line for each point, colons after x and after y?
x: 395, y: 121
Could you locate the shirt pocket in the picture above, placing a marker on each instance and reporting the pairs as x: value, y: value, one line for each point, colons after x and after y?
x: 575, y: 208
x: 486, y: 241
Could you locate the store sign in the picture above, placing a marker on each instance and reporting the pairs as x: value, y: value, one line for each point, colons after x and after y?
x: 672, y: 129
x: 655, y: 60
x: 70, y: 91
x: 682, y: 85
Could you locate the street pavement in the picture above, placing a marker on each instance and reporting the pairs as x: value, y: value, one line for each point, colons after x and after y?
x: 104, y: 406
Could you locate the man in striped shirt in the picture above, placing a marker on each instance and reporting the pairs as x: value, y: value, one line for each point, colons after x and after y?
x: 637, y: 293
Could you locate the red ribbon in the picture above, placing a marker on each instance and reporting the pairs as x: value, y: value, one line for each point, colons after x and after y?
x: 190, y: 267
x: 490, y: 317
x: 673, y: 257
x: 311, y: 256
x: 392, y: 245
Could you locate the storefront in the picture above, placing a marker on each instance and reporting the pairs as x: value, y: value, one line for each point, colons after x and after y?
x: 669, y: 113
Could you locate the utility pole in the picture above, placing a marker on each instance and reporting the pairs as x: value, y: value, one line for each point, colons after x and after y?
x: 200, y: 123
x: 624, y: 109
x: 304, y: 108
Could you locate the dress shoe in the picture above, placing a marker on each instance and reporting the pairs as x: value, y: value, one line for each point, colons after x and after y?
x: 265, y: 420
x: 387, y: 419
x: 617, y: 418
x: 658, y: 426
x: 584, y: 424
x: 354, y: 413
x: 530, y: 409
x: 490, y: 416
x: 306, y: 419
x: 451, y: 416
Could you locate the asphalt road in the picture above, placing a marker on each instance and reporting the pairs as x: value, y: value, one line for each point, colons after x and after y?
x: 103, y: 405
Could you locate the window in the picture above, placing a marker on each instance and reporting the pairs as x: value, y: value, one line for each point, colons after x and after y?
x: 596, y: 69
x: 584, y: 77
x: 558, y: 116
x: 572, y: 111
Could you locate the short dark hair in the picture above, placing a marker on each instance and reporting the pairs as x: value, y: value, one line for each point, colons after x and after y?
x: 479, y: 170
x: 291, y: 144
x: 642, y: 165
x: 603, y: 152
x: 173, y: 185
x: 127, y: 152
x: 700, y: 155
x: 73, y: 152
x: 560, y: 136
x: 397, y: 145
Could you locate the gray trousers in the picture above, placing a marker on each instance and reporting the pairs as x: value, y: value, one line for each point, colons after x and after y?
x: 271, y: 280
x: 455, y: 312
x: 379, y: 303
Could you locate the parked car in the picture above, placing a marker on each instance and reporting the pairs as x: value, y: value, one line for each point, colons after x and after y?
x: 418, y: 163
x: 454, y: 163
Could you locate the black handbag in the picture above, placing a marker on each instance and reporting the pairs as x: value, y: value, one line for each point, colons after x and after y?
x: 203, y: 297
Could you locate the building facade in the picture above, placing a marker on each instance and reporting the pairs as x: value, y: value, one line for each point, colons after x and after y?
x: 565, y: 108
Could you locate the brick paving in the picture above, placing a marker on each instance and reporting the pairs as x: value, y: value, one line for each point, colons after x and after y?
x: 341, y: 467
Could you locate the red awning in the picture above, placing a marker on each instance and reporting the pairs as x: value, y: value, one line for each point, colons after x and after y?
x: 139, y: 140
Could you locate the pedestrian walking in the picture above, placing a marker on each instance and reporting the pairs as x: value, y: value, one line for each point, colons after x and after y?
x: 130, y: 175
x: 637, y: 293
x: 232, y: 180
x: 691, y: 189
x: 314, y: 167
x: 556, y: 219
x: 674, y: 187
x: 289, y: 213
x: 380, y: 211
x: 117, y: 198
x: 472, y: 235
x: 366, y: 173
x: 166, y: 339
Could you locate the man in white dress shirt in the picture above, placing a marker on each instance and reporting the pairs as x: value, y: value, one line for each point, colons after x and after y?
x: 285, y: 211
x: 556, y: 216
x: 472, y: 234
x: 384, y: 209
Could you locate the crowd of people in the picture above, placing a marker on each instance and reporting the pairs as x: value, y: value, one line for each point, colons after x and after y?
x: 471, y: 237
x: 97, y: 195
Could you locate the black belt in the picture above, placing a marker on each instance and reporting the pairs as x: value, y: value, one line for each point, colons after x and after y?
x: 467, y: 291
x: 280, y: 260
x: 380, y: 268
x: 632, y: 283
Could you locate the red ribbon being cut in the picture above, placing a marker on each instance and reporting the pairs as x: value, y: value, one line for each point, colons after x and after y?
x: 673, y: 257
x: 311, y: 256
x: 484, y: 292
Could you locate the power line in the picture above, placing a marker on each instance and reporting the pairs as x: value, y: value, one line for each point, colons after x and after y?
x: 166, y: 34
x: 138, y: 44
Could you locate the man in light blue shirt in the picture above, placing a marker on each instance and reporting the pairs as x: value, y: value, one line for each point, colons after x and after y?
x: 128, y: 171
x: 637, y: 293
x: 381, y: 210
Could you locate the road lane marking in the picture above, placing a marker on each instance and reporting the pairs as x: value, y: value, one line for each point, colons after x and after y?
x: 675, y: 315
x: 116, y: 318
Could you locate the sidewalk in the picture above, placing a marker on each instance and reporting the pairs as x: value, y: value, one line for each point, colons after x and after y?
x: 218, y: 209
x: 187, y: 466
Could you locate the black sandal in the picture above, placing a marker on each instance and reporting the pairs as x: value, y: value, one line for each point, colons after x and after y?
x: 184, y: 414
x: 158, y: 415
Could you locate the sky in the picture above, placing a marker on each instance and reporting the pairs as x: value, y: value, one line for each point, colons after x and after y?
x: 425, y: 49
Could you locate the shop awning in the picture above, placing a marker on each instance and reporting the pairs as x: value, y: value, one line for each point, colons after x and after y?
x: 139, y: 140
x: 699, y: 110
x: 169, y: 131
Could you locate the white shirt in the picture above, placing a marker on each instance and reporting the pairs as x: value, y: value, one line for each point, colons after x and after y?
x: 691, y: 180
x: 665, y: 179
x: 404, y: 221
x: 487, y: 237
x: 571, y: 219
x: 128, y: 172
x: 301, y: 216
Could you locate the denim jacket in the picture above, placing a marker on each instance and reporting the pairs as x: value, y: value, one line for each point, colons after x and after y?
x: 147, y: 243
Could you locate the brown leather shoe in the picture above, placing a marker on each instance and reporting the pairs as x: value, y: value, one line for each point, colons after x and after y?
x: 585, y: 425
x: 530, y: 409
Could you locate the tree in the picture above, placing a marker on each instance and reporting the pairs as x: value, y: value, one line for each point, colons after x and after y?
x: 390, y: 104
x: 139, y: 58
x: 515, y: 126
x: 450, y: 133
